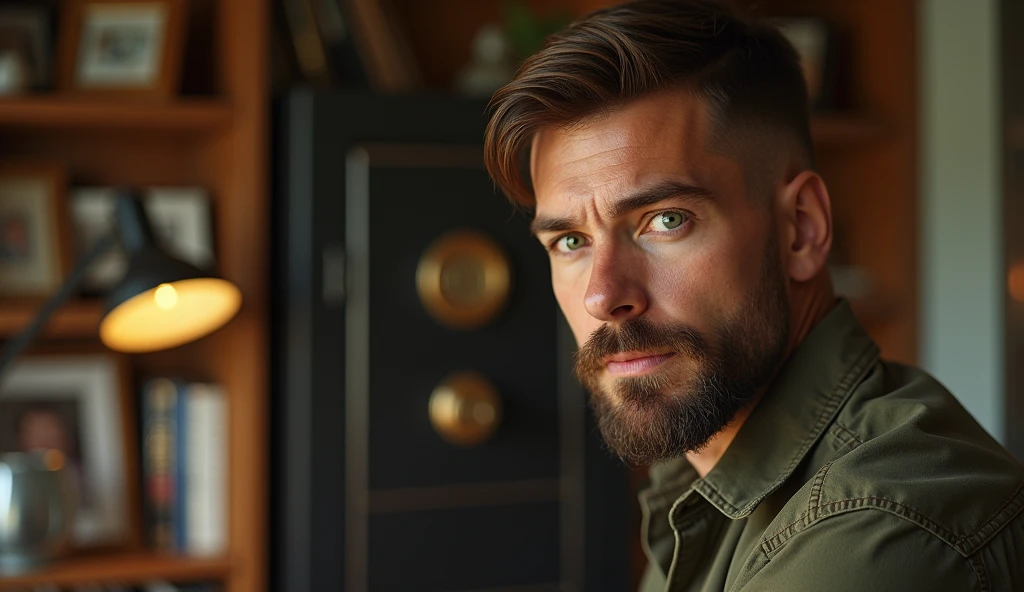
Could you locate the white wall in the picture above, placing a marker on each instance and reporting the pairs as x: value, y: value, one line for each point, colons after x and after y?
x: 960, y: 208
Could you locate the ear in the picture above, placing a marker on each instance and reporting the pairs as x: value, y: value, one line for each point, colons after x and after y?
x: 806, y: 216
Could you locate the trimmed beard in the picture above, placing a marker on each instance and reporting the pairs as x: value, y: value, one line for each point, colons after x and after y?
x: 657, y: 417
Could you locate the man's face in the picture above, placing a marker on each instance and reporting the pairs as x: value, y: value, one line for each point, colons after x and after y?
x: 667, y: 267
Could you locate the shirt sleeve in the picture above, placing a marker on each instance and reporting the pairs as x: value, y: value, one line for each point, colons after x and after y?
x: 868, y: 550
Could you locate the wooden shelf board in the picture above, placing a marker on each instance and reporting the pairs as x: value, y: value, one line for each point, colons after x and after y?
x: 74, y: 320
x: 122, y: 569
x: 837, y: 129
x: 68, y: 112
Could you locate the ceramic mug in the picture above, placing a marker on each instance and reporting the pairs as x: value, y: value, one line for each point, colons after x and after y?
x: 37, y: 509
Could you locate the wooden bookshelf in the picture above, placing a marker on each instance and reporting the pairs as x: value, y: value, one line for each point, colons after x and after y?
x: 75, y: 320
x: 132, y: 569
x: 215, y: 138
x: 195, y: 115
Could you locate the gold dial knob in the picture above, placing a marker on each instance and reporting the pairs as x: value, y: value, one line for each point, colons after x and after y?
x: 465, y: 409
x: 463, y: 279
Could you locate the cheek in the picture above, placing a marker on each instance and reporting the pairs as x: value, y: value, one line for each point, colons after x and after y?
x: 683, y: 281
x: 701, y: 284
x: 570, y: 294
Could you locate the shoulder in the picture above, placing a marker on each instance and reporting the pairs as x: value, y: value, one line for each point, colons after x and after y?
x: 865, y: 550
x: 909, y: 470
x: 915, y: 452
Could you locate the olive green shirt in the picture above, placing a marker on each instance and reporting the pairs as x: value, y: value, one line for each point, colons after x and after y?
x: 851, y: 474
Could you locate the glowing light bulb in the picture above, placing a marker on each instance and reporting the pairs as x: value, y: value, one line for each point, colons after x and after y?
x: 166, y: 296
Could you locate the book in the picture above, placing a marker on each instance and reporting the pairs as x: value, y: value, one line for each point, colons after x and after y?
x: 160, y: 463
x: 206, y: 467
x: 185, y: 466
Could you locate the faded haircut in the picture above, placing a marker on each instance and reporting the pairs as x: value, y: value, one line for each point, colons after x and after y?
x: 743, y: 69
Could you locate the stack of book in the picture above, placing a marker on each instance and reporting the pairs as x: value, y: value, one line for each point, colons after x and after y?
x: 184, y: 454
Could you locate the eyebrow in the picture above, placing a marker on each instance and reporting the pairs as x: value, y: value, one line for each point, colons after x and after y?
x: 641, y: 198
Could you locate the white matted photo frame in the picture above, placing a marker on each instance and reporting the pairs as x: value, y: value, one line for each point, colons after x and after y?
x: 80, y: 404
x: 181, y: 218
x: 34, y: 250
x: 123, y: 48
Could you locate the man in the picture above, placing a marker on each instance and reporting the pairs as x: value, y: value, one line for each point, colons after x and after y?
x: 664, y: 147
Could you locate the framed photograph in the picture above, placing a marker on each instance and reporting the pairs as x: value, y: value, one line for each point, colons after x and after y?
x: 122, y: 47
x: 180, y: 216
x: 79, y: 404
x: 33, y: 238
x: 25, y: 34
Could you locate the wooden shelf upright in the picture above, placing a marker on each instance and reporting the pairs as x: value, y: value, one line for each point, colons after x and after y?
x: 216, y: 139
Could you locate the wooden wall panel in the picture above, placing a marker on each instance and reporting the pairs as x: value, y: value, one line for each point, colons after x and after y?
x: 874, y: 184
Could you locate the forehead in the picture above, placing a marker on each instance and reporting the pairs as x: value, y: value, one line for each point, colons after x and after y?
x: 662, y: 135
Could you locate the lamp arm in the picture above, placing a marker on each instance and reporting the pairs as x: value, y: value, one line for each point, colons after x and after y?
x: 19, y: 342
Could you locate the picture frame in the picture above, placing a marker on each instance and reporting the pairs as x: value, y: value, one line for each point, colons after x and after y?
x: 25, y: 31
x: 181, y: 218
x: 80, y: 403
x: 122, y: 48
x: 34, y: 250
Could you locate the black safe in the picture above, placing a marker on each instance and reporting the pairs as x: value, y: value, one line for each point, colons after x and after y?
x: 427, y: 431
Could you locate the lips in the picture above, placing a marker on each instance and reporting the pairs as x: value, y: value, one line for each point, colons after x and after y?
x: 634, y: 363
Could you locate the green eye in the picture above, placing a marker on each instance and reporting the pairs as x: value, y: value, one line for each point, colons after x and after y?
x: 670, y: 220
x: 572, y: 242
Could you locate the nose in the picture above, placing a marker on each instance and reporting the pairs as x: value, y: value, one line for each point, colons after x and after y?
x: 616, y: 292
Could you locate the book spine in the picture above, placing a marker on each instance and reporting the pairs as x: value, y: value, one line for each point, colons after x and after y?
x: 159, y: 445
x: 182, y: 468
x: 207, y: 463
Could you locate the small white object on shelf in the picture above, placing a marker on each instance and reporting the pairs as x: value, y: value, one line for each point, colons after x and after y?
x: 492, y: 65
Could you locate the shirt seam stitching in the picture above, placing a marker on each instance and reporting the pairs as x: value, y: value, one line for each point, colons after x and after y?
x: 1010, y: 508
x: 816, y: 487
x: 844, y: 506
x: 817, y: 512
x: 770, y: 546
x: 978, y: 567
x: 847, y: 432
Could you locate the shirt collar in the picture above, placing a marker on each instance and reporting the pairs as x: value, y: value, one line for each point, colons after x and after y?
x: 783, y: 427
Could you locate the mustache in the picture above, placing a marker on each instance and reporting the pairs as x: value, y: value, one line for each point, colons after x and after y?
x: 638, y: 334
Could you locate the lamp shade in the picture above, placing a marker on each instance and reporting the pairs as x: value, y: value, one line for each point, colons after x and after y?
x: 162, y: 302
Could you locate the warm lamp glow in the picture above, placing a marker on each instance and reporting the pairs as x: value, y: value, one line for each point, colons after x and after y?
x: 170, y: 315
x: 166, y: 296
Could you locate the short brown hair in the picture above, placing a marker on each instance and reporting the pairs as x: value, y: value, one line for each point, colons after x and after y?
x: 743, y: 68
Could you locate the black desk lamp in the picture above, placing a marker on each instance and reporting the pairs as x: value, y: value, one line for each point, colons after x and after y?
x: 161, y: 303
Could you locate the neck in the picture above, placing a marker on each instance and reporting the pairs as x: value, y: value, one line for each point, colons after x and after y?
x: 809, y: 304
